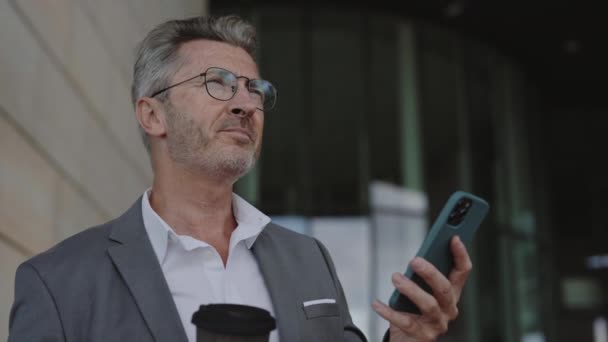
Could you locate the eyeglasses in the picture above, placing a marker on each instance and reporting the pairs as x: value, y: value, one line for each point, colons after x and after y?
x: 222, y: 84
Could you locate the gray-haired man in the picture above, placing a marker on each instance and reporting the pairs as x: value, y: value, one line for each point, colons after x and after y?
x: 189, y: 240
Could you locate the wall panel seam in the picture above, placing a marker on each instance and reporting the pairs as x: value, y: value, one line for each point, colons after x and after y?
x: 79, y: 188
x: 97, y: 116
x: 16, y: 245
x: 104, y: 41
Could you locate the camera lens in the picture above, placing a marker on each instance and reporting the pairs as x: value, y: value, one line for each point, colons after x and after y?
x: 459, y: 211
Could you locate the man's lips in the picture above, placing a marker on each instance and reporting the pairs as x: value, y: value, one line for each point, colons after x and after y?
x: 239, y: 131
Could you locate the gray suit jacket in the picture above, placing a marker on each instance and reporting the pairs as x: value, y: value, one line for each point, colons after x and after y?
x: 105, y: 284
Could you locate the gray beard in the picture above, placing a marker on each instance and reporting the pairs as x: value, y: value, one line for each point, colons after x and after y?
x: 188, y: 145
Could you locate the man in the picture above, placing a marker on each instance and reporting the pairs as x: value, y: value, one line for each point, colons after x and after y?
x: 189, y: 240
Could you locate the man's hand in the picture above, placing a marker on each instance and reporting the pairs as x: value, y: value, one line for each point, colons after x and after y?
x: 437, y: 309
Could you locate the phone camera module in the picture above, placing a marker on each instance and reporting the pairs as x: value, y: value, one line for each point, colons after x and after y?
x: 459, y: 211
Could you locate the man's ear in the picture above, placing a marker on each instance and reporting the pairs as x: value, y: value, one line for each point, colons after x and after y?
x: 150, y: 114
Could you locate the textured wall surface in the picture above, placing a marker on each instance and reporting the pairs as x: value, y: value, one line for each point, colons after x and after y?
x: 70, y: 153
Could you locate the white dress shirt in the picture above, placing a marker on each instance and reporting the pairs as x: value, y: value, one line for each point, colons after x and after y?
x: 195, y: 272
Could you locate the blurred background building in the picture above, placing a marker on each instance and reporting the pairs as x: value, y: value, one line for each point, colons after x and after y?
x: 384, y: 110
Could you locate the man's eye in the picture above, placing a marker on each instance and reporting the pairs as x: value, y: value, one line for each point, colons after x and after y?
x: 257, y: 92
x: 216, y: 81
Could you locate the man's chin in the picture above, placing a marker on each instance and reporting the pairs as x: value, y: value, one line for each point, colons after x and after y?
x: 233, y: 164
x: 236, y: 169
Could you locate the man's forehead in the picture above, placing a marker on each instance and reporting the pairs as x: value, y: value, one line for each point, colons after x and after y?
x: 198, y: 55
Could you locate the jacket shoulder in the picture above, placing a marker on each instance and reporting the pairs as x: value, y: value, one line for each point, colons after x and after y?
x: 288, y: 237
x: 299, y: 245
x: 285, y: 233
x: 85, y: 250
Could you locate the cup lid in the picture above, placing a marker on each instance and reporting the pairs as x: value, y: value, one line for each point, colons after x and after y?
x: 234, y: 319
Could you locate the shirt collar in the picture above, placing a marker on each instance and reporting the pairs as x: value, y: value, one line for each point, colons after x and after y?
x: 158, y: 230
x: 250, y: 223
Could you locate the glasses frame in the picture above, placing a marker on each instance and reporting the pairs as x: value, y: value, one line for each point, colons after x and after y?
x: 204, y: 75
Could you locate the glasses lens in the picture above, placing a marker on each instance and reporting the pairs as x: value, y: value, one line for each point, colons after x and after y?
x: 221, y: 84
x: 265, y: 92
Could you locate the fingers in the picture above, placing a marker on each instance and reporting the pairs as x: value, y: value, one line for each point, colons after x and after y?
x: 415, y: 327
x: 427, y: 304
x: 462, y: 265
x: 437, y: 308
x: 443, y: 290
x: 403, y: 321
x: 441, y: 286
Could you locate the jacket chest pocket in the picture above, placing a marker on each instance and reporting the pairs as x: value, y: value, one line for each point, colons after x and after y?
x: 323, y: 322
x: 320, y: 308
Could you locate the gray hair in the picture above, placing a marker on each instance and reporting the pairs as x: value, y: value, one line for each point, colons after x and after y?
x: 157, y: 58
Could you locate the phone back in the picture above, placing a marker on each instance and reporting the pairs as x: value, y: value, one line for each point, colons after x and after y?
x: 461, y: 215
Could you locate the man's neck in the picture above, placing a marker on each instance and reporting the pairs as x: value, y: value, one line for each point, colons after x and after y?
x: 196, y: 206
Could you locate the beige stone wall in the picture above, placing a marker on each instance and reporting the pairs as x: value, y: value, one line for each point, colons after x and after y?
x: 70, y: 153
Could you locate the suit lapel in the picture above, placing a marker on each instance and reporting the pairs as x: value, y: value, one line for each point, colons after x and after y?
x: 136, y: 262
x: 287, y: 305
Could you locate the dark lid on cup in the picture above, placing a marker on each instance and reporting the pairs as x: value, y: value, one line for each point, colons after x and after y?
x: 234, y: 319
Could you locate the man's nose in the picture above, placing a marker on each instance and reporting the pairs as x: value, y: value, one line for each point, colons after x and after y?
x: 243, y: 104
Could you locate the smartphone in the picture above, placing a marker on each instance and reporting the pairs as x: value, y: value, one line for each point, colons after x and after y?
x: 461, y: 215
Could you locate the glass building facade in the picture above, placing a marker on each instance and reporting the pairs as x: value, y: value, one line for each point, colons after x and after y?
x: 373, y: 102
